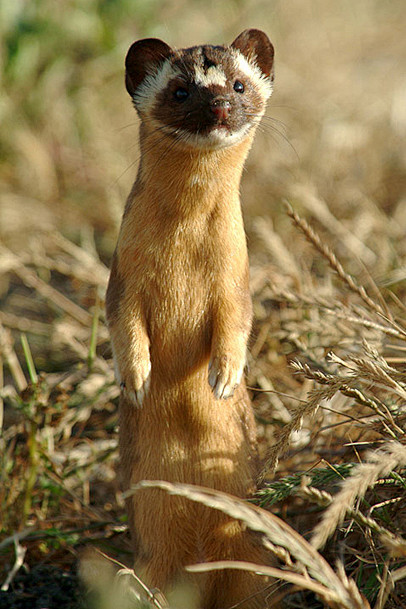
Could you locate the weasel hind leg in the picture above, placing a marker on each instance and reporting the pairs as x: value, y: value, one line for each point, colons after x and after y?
x: 231, y: 587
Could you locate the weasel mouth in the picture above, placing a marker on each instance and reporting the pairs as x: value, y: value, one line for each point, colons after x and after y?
x: 219, y: 132
x: 220, y: 126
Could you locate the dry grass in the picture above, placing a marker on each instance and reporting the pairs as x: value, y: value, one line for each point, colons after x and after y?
x: 328, y: 364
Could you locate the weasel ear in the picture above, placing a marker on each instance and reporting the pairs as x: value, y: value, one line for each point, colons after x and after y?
x: 256, y: 46
x: 144, y: 57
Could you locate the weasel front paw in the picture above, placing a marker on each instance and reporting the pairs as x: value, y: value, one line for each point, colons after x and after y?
x: 225, y: 375
x: 135, y: 383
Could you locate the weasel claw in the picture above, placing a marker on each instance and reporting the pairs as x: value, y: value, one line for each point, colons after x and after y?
x: 223, y: 377
x: 137, y: 385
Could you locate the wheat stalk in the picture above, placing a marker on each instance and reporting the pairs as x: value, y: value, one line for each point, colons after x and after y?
x: 97, y: 571
x: 378, y: 464
x: 331, y: 258
x: 347, y: 385
x: 282, y: 436
x: 324, y: 499
x: 317, y: 572
x: 329, y: 596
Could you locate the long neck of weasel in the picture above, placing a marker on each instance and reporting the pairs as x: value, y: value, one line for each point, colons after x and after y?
x: 188, y: 180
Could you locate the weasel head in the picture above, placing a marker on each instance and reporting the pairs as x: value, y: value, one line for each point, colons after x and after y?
x: 206, y: 96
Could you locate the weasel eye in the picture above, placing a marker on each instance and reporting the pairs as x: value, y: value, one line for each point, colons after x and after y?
x: 238, y: 86
x: 181, y: 94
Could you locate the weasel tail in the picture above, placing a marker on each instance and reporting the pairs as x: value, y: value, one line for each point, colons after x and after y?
x: 179, y: 313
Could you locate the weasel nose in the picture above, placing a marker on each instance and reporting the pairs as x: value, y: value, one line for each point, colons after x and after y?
x: 221, y: 109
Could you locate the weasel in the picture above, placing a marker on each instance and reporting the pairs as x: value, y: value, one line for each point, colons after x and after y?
x: 179, y: 310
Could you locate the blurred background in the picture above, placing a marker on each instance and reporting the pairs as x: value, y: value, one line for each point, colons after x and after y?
x: 333, y: 140
x: 332, y: 144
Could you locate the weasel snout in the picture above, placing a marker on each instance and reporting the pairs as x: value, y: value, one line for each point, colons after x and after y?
x: 221, y: 108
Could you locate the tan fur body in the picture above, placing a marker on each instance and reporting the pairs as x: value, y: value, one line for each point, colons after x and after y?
x: 178, y: 298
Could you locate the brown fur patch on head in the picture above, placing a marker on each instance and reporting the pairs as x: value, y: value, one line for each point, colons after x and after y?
x: 256, y: 46
x: 143, y: 57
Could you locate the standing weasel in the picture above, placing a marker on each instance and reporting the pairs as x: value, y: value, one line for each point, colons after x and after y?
x: 179, y: 309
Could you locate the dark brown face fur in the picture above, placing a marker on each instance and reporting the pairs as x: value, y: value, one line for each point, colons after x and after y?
x: 194, y: 113
x: 205, y: 93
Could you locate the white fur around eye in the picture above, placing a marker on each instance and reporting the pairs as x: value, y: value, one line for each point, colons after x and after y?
x: 145, y: 95
x: 254, y: 73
